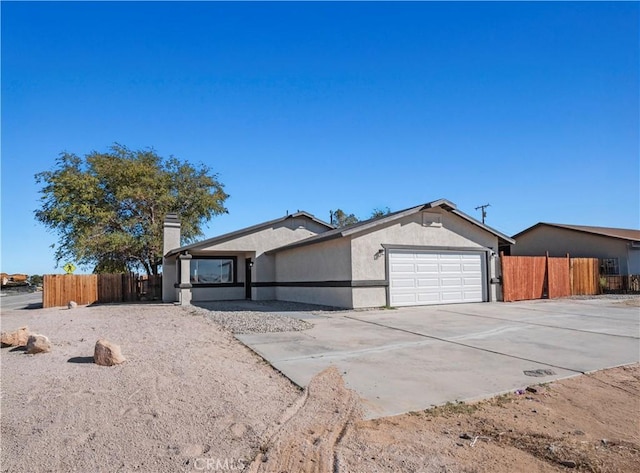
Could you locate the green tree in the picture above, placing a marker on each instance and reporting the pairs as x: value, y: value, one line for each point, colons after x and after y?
x: 376, y: 213
x: 341, y: 219
x: 35, y: 280
x: 108, y: 208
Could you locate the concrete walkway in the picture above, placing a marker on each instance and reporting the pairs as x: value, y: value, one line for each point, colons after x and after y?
x: 413, y: 358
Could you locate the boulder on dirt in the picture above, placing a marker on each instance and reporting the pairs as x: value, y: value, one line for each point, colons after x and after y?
x: 17, y: 338
x: 38, y: 344
x: 107, y: 353
x: 72, y: 304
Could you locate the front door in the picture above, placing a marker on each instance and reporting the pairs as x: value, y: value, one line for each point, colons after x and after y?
x: 248, y: 264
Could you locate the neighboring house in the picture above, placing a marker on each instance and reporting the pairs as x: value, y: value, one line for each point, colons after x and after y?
x: 618, y: 249
x: 429, y: 254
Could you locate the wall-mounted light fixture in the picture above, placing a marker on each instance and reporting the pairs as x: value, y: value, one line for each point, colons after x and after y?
x: 379, y: 253
x: 250, y: 264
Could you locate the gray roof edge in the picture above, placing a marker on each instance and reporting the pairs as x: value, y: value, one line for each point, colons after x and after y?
x: 576, y: 228
x: 244, y: 231
x: 372, y: 223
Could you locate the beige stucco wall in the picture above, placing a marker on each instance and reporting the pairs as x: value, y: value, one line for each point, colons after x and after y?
x: 330, y: 296
x: 363, y: 297
x: 411, y: 231
x: 169, y: 278
x: 357, y: 259
x: 560, y: 241
x: 249, y: 246
x: 325, y: 261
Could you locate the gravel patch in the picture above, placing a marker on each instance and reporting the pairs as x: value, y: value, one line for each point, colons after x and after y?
x: 261, y: 316
x: 619, y: 297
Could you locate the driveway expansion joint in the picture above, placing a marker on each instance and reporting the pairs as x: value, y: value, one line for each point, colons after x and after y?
x: 433, y: 337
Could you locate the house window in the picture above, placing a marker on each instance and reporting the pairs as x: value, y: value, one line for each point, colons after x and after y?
x: 213, y: 270
x: 609, y: 266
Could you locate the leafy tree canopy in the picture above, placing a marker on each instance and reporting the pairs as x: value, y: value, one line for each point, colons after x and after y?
x: 108, y: 208
x: 339, y: 218
x: 377, y: 213
x: 35, y: 280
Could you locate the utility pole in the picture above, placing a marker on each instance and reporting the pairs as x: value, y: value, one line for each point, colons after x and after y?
x: 484, y: 212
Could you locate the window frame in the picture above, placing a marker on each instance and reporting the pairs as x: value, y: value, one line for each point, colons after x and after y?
x: 234, y: 272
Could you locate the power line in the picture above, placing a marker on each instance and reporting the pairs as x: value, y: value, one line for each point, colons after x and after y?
x: 484, y: 212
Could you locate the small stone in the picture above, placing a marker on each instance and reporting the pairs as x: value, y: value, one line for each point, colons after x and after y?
x: 107, y: 353
x: 264, y: 458
x: 578, y: 432
x: 466, y: 436
x: 568, y: 463
x: 17, y: 338
x: 38, y: 344
x: 459, y: 444
x: 72, y: 304
x: 604, y: 442
x: 531, y: 390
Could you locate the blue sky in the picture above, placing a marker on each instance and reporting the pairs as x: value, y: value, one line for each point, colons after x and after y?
x: 531, y: 107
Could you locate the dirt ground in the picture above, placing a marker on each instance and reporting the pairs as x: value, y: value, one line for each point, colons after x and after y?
x: 187, y: 391
x: 192, y: 398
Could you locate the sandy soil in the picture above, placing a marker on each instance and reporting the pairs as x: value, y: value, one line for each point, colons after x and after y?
x: 188, y: 392
x: 192, y: 398
x: 586, y: 423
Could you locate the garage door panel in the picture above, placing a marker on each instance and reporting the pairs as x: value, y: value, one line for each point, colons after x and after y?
x: 403, y: 299
x: 450, y: 268
x: 427, y: 282
x: 453, y: 296
x: 427, y: 268
x: 429, y: 277
x: 403, y: 283
x: 427, y: 297
x: 403, y: 268
x: 451, y: 282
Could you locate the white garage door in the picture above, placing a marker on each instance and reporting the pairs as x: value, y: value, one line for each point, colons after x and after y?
x: 428, y: 277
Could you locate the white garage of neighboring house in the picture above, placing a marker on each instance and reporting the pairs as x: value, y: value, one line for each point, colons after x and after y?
x: 429, y: 254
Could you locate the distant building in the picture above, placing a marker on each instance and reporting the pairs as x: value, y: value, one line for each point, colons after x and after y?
x: 13, y: 279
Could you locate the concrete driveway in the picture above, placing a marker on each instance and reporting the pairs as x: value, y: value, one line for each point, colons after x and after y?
x: 412, y: 358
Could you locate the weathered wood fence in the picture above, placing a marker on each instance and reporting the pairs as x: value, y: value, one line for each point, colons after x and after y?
x: 60, y: 289
x: 539, y: 277
x: 585, y: 276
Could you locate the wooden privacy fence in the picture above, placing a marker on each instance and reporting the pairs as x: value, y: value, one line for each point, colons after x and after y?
x: 585, y: 276
x: 523, y: 277
x: 558, y: 277
x: 538, y: 277
x: 60, y: 289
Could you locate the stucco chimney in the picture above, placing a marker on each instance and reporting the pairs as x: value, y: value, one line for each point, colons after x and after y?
x: 171, y: 233
x: 170, y: 241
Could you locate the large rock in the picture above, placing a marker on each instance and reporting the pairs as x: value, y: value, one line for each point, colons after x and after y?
x: 38, y: 344
x: 107, y: 353
x: 72, y: 304
x: 17, y: 338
